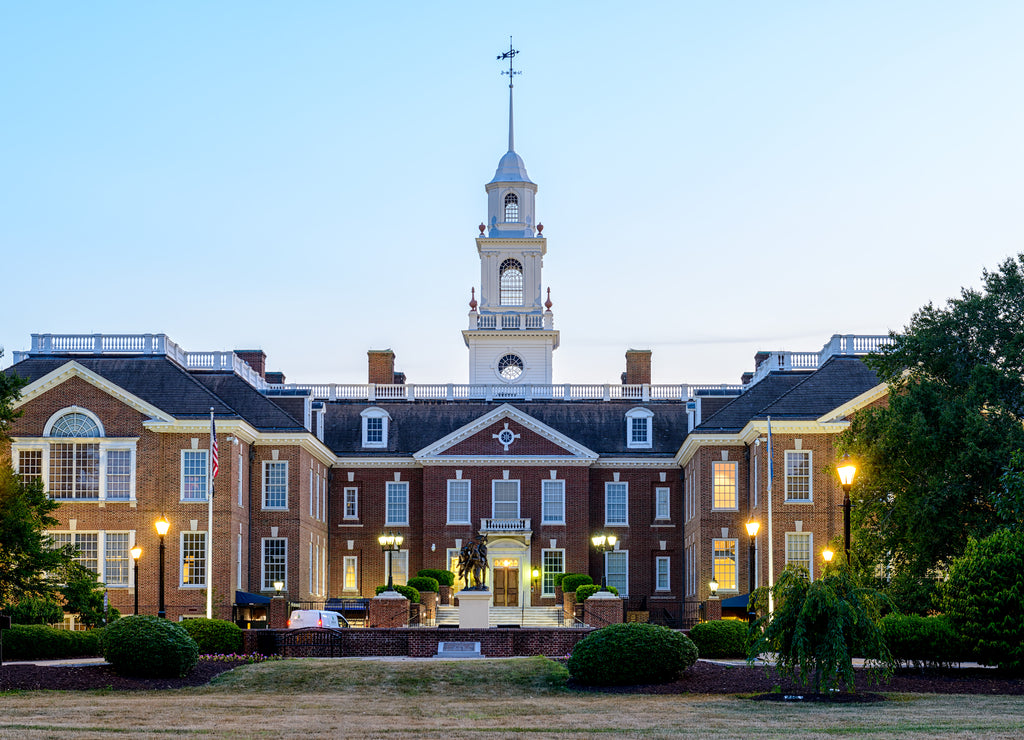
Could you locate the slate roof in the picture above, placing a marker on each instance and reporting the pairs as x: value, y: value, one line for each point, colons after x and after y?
x: 168, y: 386
x: 599, y: 426
x: 735, y: 415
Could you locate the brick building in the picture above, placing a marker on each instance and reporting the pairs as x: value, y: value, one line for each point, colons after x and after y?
x: 118, y: 429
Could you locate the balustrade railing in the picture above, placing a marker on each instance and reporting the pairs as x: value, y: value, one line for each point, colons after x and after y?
x: 505, y: 525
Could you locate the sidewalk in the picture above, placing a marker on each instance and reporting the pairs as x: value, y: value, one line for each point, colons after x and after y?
x: 67, y: 662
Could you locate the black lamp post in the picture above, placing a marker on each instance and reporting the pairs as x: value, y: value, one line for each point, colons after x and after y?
x: 390, y: 543
x: 752, y: 528
x: 846, y: 470
x: 162, y: 525
x: 604, y: 543
x: 136, y: 554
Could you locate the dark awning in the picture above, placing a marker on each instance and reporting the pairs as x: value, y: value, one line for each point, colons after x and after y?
x: 244, y: 597
x: 736, y: 602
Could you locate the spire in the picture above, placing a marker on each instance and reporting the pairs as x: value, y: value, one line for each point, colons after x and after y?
x: 511, y: 167
x: 512, y: 72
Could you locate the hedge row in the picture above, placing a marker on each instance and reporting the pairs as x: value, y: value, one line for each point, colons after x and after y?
x: 40, y: 642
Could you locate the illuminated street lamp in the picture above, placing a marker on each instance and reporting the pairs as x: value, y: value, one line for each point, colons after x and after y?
x: 713, y: 585
x: 752, y: 528
x: 136, y: 554
x: 390, y: 543
x: 827, y: 555
x: 162, y: 525
x: 846, y: 470
x: 604, y: 543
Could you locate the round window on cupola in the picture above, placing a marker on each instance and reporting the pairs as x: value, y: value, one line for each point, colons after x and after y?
x: 510, y: 367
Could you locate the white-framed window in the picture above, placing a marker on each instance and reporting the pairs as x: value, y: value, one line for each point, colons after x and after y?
x: 396, y: 504
x: 798, y: 476
x: 753, y: 490
x: 799, y: 549
x: 238, y: 565
x: 511, y: 208
x: 552, y: 502
x: 616, y: 564
x: 505, y: 499
x: 241, y: 481
x: 399, y: 566
x: 350, y: 573
x: 724, y: 563
x: 29, y: 463
x: 691, y: 570
x: 275, y: 562
x: 616, y: 504
x: 639, y: 428
x: 510, y: 282
x: 453, y: 566
x: 662, y: 506
x: 351, y: 503
x: 552, y: 562
x: 662, y: 569
x: 105, y: 553
x: 312, y: 495
x: 275, y: 484
x: 193, y: 475
x: 375, y: 427
x: 458, y: 502
x: 193, y: 559
x: 725, y: 486
x: 313, y: 558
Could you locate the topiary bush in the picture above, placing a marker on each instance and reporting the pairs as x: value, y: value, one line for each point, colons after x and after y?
x: 41, y: 642
x: 632, y: 653
x: 424, y: 583
x: 572, y: 581
x: 408, y: 592
x: 214, y: 636
x: 921, y: 641
x: 984, y: 598
x: 721, y: 638
x: 587, y: 590
x: 443, y: 577
x: 149, y: 647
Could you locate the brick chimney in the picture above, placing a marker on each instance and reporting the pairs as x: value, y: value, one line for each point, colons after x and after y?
x: 277, y: 378
x: 256, y: 359
x: 638, y: 367
x: 381, y: 366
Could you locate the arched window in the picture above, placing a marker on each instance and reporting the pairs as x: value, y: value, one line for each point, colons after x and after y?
x: 510, y: 367
x: 511, y: 208
x: 75, y: 425
x: 511, y: 279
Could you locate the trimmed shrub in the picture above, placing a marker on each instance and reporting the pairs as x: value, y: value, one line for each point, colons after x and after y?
x: 424, y: 583
x: 921, y: 641
x: 149, y: 647
x: 984, y: 598
x: 214, y: 636
x: 408, y: 592
x: 558, y: 579
x: 572, y: 581
x: 443, y: 577
x: 587, y: 590
x: 41, y: 642
x: 632, y: 653
x: 721, y: 638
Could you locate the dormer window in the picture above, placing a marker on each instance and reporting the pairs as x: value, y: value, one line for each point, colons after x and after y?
x: 639, y: 423
x: 375, y: 427
x: 510, y: 276
x: 511, y: 208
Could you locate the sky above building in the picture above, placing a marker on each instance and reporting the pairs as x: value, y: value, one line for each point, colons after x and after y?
x: 307, y: 178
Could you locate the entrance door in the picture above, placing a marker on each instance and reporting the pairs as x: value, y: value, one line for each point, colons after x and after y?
x: 506, y: 586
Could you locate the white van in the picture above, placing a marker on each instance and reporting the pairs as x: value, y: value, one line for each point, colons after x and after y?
x: 314, y: 618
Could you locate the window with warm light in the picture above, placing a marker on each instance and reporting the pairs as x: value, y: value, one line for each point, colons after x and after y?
x: 725, y: 563
x: 725, y: 484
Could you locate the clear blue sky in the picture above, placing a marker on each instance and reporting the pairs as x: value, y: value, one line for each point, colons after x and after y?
x: 715, y: 178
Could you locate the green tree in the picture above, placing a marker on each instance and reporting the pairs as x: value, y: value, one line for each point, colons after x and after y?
x: 931, y: 460
x: 83, y: 595
x: 818, y: 627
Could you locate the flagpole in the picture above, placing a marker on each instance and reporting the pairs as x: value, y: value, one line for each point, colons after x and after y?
x: 771, y: 553
x: 210, y: 473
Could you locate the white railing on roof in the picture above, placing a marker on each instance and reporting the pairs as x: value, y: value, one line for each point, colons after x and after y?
x: 839, y: 344
x: 511, y: 320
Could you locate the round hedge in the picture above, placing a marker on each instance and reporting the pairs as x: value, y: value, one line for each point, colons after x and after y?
x: 721, y: 638
x: 424, y: 583
x: 573, y: 581
x: 633, y: 653
x: 407, y: 591
x: 443, y: 577
x: 149, y: 647
x: 587, y: 590
x: 214, y: 636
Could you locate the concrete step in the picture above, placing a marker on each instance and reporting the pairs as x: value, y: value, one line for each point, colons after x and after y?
x: 533, y: 616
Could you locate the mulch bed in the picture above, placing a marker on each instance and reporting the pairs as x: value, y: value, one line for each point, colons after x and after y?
x: 703, y: 678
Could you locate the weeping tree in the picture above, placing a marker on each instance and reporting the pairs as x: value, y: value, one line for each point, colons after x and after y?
x: 818, y: 628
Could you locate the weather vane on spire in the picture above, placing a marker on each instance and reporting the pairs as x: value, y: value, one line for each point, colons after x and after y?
x: 510, y: 55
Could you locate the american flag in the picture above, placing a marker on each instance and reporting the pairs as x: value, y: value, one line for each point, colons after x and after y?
x: 213, y: 447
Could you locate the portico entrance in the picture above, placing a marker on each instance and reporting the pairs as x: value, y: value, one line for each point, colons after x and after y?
x: 505, y: 582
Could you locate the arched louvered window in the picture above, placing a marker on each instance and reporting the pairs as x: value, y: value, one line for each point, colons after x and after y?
x: 511, y: 281
x: 511, y: 208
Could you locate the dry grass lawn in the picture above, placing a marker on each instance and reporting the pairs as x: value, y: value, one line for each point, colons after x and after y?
x: 429, y: 699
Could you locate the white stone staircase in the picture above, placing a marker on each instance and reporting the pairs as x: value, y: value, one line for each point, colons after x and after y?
x: 531, y: 616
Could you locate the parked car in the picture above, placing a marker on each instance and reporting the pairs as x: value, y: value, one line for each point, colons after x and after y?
x: 315, y: 618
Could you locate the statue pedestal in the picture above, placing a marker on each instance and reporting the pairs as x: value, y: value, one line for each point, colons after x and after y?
x: 474, y: 609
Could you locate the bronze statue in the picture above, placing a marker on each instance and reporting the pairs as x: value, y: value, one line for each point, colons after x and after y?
x: 473, y: 562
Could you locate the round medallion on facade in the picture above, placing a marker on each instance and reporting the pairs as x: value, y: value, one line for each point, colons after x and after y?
x: 510, y: 367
